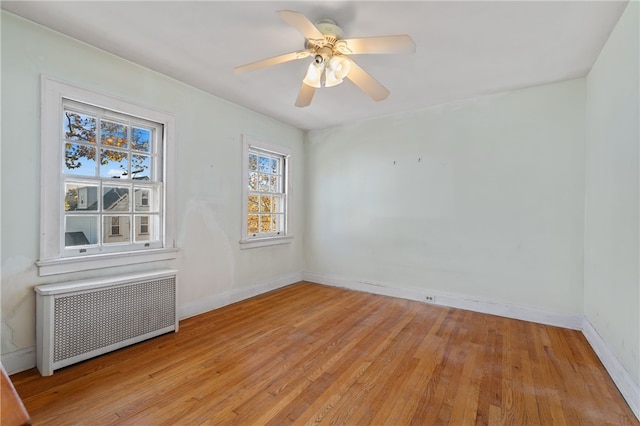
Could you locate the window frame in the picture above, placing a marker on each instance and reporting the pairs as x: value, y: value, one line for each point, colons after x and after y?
x: 247, y: 241
x: 52, y: 182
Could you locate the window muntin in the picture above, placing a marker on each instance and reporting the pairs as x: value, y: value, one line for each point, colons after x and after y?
x: 101, y: 194
x: 265, y: 194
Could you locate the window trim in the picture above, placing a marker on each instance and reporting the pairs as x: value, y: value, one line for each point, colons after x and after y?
x: 51, y: 260
x: 246, y: 242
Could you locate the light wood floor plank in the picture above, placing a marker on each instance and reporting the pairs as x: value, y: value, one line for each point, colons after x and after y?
x: 312, y: 354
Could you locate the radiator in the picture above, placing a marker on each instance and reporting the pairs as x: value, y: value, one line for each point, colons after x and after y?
x: 79, y: 320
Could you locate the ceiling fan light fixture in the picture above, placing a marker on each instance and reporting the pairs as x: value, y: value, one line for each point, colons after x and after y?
x: 338, y: 69
x: 314, y: 74
x: 330, y: 78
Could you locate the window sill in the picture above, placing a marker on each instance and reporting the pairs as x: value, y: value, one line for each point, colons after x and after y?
x: 76, y: 264
x: 264, y: 242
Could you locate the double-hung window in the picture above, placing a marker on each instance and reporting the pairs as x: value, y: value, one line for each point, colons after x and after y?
x: 112, y: 168
x: 265, y: 194
x: 106, y: 181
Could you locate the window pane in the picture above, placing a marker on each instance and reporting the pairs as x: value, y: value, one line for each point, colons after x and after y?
x: 79, y: 159
x: 145, y: 199
x: 265, y: 223
x: 274, y: 165
x: 253, y: 162
x: 140, y: 167
x: 276, y: 223
x: 263, y: 183
x: 146, y: 228
x: 116, y: 229
x: 252, y: 222
x: 113, y: 134
x: 79, y: 127
x: 114, y: 164
x: 273, y: 184
x: 265, y: 204
x: 253, y: 203
x: 80, y: 197
x: 80, y: 230
x: 115, y: 199
x: 263, y: 164
x: 141, y: 139
x: 276, y: 205
x: 253, y: 181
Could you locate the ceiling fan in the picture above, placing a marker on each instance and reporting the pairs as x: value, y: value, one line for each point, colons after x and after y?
x: 331, y: 56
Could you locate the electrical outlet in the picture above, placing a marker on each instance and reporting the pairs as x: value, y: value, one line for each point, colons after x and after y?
x: 430, y: 299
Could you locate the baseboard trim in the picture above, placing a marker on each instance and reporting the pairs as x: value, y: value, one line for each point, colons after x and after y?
x: 20, y: 360
x: 232, y: 296
x: 502, y: 309
x: 24, y: 359
x: 628, y: 388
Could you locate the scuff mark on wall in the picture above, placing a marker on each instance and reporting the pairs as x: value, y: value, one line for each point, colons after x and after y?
x: 206, y: 260
x: 18, y: 303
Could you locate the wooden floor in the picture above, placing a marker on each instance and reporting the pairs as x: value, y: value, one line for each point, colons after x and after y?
x: 314, y: 354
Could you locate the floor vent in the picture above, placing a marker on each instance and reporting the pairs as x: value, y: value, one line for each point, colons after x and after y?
x: 83, y: 319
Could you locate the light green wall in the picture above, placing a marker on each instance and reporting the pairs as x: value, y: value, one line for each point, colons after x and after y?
x: 209, y: 174
x: 482, y: 199
x: 612, y: 255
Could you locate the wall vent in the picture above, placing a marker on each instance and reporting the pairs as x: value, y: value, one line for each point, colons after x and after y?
x: 79, y: 320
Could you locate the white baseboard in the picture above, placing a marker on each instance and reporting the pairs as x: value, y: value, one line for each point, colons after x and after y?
x: 20, y: 360
x: 621, y: 377
x: 236, y: 295
x: 502, y: 309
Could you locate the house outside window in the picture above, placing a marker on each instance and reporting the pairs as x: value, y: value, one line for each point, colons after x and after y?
x: 107, y: 169
x: 265, y: 194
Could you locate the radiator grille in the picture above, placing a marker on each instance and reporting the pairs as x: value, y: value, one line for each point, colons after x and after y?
x: 92, y: 320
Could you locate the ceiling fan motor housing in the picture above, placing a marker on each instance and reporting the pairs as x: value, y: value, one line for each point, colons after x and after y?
x: 332, y: 33
x: 329, y: 28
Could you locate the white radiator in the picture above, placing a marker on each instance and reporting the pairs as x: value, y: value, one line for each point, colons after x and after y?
x: 83, y: 319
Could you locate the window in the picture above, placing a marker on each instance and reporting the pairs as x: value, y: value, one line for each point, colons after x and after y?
x: 265, y: 194
x: 144, y: 225
x: 102, y: 147
x: 115, y: 226
x: 144, y: 199
x: 106, y: 176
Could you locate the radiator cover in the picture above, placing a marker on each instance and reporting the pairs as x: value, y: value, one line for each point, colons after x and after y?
x: 79, y: 320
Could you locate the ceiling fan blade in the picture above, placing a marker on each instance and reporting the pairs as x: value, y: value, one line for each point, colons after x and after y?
x: 383, y: 44
x: 305, y: 95
x: 273, y: 61
x: 366, y: 83
x: 302, y: 24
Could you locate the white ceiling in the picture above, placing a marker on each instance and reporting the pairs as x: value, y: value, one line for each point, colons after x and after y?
x: 464, y: 49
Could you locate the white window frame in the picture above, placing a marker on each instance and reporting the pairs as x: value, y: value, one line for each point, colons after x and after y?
x: 52, y: 259
x: 248, y: 241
